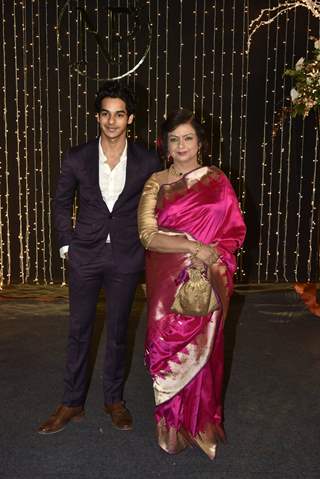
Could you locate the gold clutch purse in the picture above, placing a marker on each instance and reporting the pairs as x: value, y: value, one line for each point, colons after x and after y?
x: 195, y: 297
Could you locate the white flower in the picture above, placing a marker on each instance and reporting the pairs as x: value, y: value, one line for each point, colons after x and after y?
x: 294, y: 94
x: 299, y: 63
x: 317, y: 44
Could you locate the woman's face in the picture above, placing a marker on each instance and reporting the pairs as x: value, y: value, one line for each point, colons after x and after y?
x: 183, y: 143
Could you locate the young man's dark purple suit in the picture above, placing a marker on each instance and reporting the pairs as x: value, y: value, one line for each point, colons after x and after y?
x: 95, y: 264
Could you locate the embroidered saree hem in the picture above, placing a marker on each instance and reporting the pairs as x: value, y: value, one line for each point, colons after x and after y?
x: 174, y: 441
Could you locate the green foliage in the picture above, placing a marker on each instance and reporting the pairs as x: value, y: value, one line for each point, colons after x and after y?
x: 305, y: 94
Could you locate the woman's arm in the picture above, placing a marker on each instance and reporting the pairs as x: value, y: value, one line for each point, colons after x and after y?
x: 161, y: 241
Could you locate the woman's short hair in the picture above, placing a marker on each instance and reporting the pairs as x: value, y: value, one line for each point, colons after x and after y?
x: 181, y: 117
x: 115, y: 89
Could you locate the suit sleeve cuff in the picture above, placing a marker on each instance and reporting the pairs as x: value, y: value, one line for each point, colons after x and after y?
x: 63, y: 250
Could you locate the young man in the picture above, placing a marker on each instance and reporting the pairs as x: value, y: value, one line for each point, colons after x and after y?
x: 103, y: 250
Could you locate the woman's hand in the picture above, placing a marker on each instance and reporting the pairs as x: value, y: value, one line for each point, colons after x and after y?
x: 203, y: 255
x: 197, y: 263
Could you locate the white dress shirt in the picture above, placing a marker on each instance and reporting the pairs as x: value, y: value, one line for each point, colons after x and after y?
x: 111, y: 182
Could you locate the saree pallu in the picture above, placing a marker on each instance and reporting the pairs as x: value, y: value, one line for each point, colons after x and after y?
x: 184, y: 354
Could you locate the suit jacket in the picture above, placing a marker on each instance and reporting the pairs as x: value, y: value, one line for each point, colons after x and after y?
x: 94, y: 222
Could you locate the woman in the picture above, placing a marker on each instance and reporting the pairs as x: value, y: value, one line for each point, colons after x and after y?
x: 189, y: 219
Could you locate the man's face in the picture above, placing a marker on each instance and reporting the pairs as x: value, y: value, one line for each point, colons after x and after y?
x: 113, y: 119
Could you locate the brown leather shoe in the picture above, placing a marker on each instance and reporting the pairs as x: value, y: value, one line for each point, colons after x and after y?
x: 60, y: 418
x: 120, y: 415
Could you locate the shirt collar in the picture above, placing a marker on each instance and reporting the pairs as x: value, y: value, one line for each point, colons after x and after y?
x: 103, y: 158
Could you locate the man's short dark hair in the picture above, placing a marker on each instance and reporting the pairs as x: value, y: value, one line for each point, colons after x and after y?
x: 115, y: 89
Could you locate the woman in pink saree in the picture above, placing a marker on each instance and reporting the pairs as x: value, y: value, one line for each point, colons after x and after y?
x: 188, y: 218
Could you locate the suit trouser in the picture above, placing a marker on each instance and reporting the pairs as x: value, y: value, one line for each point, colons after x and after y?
x: 85, y: 283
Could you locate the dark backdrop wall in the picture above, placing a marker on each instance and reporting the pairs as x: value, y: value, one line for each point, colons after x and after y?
x: 197, y: 60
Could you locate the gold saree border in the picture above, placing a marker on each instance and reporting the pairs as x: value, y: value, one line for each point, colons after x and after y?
x: 187, y: 365
x: 174, y: 441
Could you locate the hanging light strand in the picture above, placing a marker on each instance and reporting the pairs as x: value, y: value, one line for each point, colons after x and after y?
x: 203, y: 76
x: 243, y: 129
x: 166, y: 73
x: 48, y: 145
x: 221, y: 81
x: 70, y: 79
x: 60, y: 131
x: 313, y: 208
x: 300, y: 194
x: 213, y: 76
x: 77, y: 79
x: 40, y: 147
x: 289, y: 159
x: 274, y: 89
x: 281, y: 155
x: 5, y: 103
x: 26, y: 143
x: 6, y: 223
x: 35, y: 144
x: 85, y: 91
x: 180, y: 54
x: 18, y: 146
x: 264, y: 157
x: 195, y: 12
x: 149, y: 84
x: 233, y: 28
x: 313, y: 202
x: 156, y: 113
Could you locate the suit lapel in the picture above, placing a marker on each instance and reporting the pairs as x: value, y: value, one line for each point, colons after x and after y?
x: 92, y: 162
x: 93, y: 169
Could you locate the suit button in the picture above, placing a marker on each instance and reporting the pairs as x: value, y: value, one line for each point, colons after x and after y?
x: 110, y: 216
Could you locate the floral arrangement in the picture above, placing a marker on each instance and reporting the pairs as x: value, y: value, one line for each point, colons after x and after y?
x: 305, y: 94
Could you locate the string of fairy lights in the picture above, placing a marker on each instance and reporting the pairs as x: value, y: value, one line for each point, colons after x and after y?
x: 313, y: 203
x: 149, y: 68
x: 5, y: 275
x: 301, y: 177
x: 194, y: 95
x: 264, y: 154
x: 180, y: 52
x: 281, y: 153
x: 242, y: 154
x: 287, y: 185
x: 166, y: 73
x: 48, y: 140
x: 203, y: 76
x: 213, y: 78
x: 26, y: 149
x: 222, y: 78
x: 271, y: 190
x: 202, y: 57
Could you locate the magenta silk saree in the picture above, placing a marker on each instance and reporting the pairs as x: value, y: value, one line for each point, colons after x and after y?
x: 184, y: 354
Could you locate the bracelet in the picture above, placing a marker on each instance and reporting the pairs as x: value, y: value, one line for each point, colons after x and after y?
x: 196, y: 251
x: 212, y: 258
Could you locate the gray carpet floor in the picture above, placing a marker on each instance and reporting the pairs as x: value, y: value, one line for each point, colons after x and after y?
x: 272, y: 397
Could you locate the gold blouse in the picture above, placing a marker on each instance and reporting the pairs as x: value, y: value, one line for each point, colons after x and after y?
x: 147, y: 222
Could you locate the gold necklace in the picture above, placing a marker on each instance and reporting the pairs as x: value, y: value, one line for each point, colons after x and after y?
x: 174, y: 171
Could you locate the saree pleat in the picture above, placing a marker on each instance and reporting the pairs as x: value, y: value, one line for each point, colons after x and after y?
x: 184, y: 354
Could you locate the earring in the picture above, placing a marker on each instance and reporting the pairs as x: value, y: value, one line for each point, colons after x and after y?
x: 199, y: 157
x: 169, y: 160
